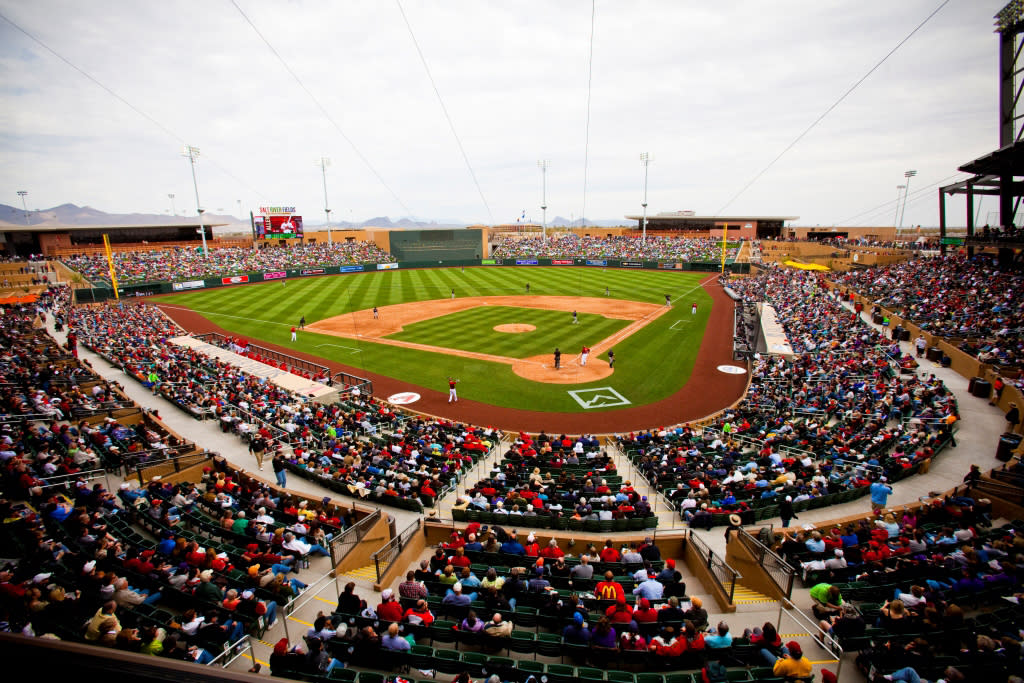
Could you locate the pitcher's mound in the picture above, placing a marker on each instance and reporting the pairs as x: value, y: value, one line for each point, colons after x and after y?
x: 515, y: 328
x: 541, y: 369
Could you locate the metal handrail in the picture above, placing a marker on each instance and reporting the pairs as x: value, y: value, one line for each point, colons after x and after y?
x: 824, y: 639
x: 778, y: 570
x: 351, y: 537
x: 233, y: 651
x: 721, y: 572
x: 386, y: 556
x: 64, y: 479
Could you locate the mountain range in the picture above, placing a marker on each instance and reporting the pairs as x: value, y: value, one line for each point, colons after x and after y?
x: 71, y: 214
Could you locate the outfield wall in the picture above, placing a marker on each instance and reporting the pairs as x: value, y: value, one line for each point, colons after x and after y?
x: 143, y: 289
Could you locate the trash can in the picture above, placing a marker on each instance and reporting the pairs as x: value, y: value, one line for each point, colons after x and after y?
x: 947, y: 362
x: 1008, y: 443
x: 905, y: 335
x: 982, y: 388
x: 877, y: 318
x: 934, y: 354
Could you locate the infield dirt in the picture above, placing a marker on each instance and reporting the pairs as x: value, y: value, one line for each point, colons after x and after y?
x: 388, y: 320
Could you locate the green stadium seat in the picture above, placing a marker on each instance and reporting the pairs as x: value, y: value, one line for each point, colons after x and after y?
x: 560, y: 673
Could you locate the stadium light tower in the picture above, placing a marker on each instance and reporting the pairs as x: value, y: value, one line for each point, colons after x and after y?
x: 193, y: 152
x: 645, y: 159
x: 543, y: 166
x: 22, y: 194
x: 323, y: 164
x: 170, y: 195
x: 899, y: 191
x: 908, y: 175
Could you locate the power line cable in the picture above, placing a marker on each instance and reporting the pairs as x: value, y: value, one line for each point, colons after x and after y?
x: 586, y: 142
x: 835, y: 104
x: 884, y: 209
x: 323, y: 110
x: 122, y: 100
x: 444, y: 109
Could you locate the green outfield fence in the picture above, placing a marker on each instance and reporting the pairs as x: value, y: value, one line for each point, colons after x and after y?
x: 103, y: 291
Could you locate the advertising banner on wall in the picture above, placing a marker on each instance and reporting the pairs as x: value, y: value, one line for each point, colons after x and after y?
x: 234, y: 280
x: 526, y: 261
x: 276, y: 275
x: 387, y: 266
x: 191, y: 284
x: 561, y: 262
x: 597, y: 262
x: 632, y: 264
x: 345, y: 269
x: 313, y: 271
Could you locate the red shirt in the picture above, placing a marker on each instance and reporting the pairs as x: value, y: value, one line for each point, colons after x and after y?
x: 389, y: 611
x: 610, y: 554
x: 609, y: 590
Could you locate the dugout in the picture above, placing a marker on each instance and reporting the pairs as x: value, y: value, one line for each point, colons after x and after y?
x: 437, y: 245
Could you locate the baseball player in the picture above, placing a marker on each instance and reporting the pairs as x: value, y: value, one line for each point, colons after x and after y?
x: 668, y: 300
x: 693, y: 308
x: 558, y: 359
x: 293, y: 333
x: 452, y: 396
x: 611, y: 358
x: 302, y: 323
x: 584, y: 353
x: 575, y: 318
x: 375, y: 313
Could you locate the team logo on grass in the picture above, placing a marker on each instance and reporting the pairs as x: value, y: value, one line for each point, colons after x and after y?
x: 599, y: 397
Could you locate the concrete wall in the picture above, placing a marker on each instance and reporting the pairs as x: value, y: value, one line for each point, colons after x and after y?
x: 755, y: 577
x: 700, y: 570
x: 359, y: 556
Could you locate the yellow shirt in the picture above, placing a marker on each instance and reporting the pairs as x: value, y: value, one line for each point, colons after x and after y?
x: 789, y: 667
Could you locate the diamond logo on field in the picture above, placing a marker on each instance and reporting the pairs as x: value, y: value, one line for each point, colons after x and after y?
x: 599, y: 397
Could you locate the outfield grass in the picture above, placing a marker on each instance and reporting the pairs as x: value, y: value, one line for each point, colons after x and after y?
x: 649, y: 366
x: 473, y: 330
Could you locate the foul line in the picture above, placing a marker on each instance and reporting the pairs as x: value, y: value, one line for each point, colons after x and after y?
x: 225, y: 315
x: 339, y: 346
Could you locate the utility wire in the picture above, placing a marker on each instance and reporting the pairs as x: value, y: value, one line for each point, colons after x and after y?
x: 323, y: 110
x: 122, y: 100
x: 444, y: 109
x: 890, y: 204
x: 829, y: 110
x: 586, y: 143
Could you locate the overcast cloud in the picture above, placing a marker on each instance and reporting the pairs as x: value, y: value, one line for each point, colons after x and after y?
x: 712, y: 90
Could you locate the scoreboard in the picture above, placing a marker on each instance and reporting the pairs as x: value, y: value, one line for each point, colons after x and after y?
x: 277, y: 222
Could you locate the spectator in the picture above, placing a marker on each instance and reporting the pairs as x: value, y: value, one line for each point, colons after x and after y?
x: 391, y: 640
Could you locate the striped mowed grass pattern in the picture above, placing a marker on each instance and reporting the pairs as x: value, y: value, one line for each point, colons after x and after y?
x: 473, y: 330
x: 650, y: 365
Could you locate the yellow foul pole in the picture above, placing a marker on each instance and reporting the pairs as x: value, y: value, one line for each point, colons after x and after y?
x: 110, y: 265
x: 725, y: 232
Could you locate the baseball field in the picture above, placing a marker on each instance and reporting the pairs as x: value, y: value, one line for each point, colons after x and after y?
x: 494, y: 329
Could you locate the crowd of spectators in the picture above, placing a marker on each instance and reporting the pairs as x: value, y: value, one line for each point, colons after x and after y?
x: 971, y: 302
x: 845, y: 410
x: 184, y: 263
x: 554, y: 477
x: 900, y: 588
x: 410, y: 459
x: 654, y: 248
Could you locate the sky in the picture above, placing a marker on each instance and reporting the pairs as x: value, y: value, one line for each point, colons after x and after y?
x: 712, y: 91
